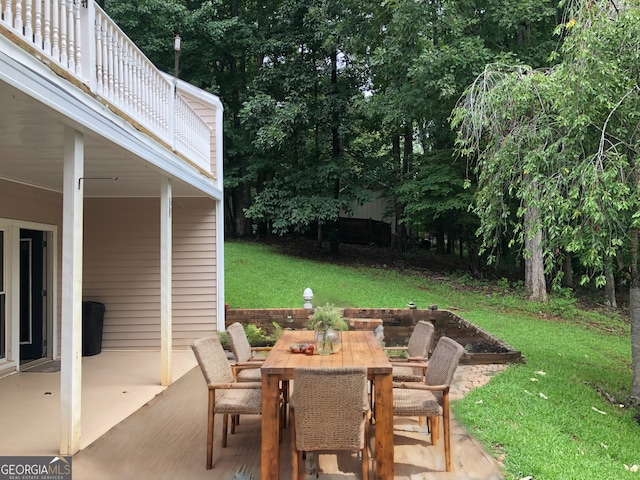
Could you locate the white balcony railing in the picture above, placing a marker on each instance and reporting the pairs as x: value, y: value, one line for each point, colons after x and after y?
x: 78, y: 37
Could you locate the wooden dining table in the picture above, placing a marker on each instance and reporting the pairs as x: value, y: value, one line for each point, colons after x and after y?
x: 359, y: 348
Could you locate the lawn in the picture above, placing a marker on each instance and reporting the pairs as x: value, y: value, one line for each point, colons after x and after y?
x: 547, y: 419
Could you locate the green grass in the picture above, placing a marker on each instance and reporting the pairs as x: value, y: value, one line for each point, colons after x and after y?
x: 544, y: 419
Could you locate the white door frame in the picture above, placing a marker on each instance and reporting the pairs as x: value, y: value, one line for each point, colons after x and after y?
x: 11, y: 362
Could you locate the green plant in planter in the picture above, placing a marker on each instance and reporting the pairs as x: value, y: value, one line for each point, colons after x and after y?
x: 327, y: 322
x: 327, y: 317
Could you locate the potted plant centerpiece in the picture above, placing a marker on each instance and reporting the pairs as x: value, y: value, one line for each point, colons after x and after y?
x: 327, y: 322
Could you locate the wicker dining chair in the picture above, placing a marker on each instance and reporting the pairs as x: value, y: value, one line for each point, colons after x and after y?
x: 329, y: 412
x: 226, y: 396
x: 247, y: 366
x: 418, y: 348
x: 431, y: 398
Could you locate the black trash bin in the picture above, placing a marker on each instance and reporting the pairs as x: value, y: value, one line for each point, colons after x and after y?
x: 92, y: 322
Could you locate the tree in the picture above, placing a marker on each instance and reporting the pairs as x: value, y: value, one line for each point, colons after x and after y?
x: 301, y: 120
x: 570, y: 137
x: 503, y: 123
x: 420, y: 57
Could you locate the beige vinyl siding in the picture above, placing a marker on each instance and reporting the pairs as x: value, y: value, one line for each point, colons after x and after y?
x: 21, y: 202
x: 29, y: 204
x: 194, y: 269
x: 122, y: 269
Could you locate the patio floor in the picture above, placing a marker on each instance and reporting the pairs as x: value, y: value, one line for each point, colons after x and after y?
x: 115, y: 384
x: 135, y: 429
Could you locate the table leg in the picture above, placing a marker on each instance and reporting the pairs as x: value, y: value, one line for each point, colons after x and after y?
x: 384, y: 426
x: 270, y: 446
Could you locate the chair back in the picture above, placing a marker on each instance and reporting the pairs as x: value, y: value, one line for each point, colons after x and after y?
x: 212, y: 360
x: 443, y: 362
x: 421, y: 339
x: 329, y: 406
x: 239, y: 343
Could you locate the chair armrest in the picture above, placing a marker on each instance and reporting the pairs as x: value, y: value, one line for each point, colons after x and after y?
x: 421, y: 386
x: 259, y: 354
x: 248, y: 364
x: 239, y: 385
x: 245, y: 366
x: 410, y: 364
x: 261, y: 349
x: 418, y: 359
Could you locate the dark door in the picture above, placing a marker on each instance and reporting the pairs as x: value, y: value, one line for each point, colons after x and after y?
x: 32, y: 295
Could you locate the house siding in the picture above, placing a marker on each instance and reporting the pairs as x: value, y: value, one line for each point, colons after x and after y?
x: 122, y: 269
x: 376, y: 209
x: 121, y: 265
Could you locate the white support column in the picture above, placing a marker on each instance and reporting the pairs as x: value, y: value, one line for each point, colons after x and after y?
x: 71, y: 354
x: 165, y: 280
x: 220, y: 311
x: 220, y: 220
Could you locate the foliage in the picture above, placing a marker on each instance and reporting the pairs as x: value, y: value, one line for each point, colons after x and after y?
x: 224, y: 340
x: 256, y: 336
x: 325, y: 317
x: 152, y: 25
x: 253, y: 333
x: 431, y: 51
x: 504, y: 124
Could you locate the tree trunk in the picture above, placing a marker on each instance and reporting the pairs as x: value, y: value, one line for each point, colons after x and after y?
x: 567, y: 268
x: 474, y: 263
x: 401, y: 232
x: 535, y: 283
x: 634, y: 313
x: 241, y: 225
x: 610, y: 285
x: 336, y: 153
x: 440, y: 246
x: 319, y: 238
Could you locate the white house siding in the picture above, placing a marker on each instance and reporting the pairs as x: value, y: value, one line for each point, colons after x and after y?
x: 122, y: 269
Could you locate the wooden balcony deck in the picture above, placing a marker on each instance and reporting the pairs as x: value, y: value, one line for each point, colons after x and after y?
x: 165, y: 439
